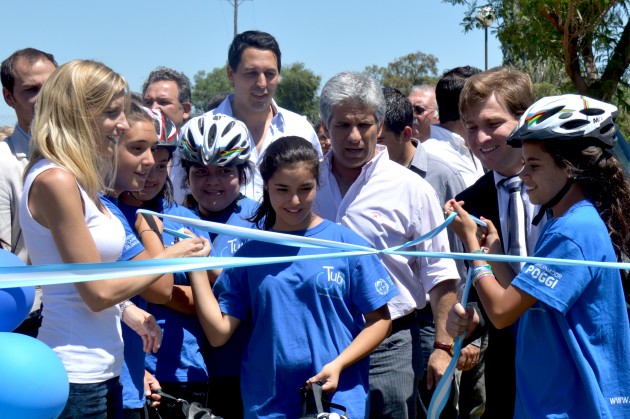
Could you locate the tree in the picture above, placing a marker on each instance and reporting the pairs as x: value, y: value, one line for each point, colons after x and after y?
x: 208, y: 85
x: 405, y: 72
x: 297, y: 90
x: 590, y: 38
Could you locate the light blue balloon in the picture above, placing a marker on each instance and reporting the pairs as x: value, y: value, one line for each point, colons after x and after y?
x: 33, y: 381
x: 15, y: 303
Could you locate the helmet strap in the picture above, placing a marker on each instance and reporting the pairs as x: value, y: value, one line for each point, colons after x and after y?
x: 552, y: 202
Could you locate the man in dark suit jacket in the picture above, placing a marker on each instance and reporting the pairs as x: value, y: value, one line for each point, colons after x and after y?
x: 491, y: 104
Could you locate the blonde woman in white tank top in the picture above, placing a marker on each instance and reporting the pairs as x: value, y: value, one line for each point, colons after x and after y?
x: 79, y: 118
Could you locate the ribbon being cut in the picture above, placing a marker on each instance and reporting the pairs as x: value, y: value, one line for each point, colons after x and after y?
x: 19, y: 276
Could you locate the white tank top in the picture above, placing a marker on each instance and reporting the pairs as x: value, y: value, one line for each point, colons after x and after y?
x: 89, y: 344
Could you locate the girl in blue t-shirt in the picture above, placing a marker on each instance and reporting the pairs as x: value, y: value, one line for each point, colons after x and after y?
x: 178, y: 366
x: 215, y: 153
x: 136, y: 160
x: 573, y: 343
x: 312, y: 320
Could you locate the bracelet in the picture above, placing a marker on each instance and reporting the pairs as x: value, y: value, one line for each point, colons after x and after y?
x: 444, y: 346
x: 482, y: 250
x: 124, y: 306
x: 481, y: 268
x: 147, y: 229
x: 476, y: 279
x: 479, y: 272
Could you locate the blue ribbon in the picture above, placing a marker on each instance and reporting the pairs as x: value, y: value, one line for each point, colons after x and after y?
x: 443, y: 389
x: 66, y: 273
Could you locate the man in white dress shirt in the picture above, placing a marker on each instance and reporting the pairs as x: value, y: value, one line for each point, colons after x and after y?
x: 254, y: 63
x: 387, y: 204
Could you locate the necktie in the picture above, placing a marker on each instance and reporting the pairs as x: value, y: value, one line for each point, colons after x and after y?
x: 517, y: 244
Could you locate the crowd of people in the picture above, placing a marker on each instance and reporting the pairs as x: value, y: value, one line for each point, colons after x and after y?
x: 379, y: 170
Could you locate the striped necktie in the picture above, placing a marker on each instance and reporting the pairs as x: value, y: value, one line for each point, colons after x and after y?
x: 517, y: 241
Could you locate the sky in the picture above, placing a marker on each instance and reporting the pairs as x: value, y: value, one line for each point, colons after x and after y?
x: 328, y: 36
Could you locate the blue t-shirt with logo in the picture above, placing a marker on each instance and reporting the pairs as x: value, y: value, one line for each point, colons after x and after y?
x: 235, y: 214
x: 573, y: 346
x: 132, y: 374
x: 304, y: 314
x: 179, y: 358
x: 225, y: 361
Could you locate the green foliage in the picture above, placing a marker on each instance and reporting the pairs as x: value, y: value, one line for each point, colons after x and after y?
x: 208, y: 85
x: 297, y: 90
x: 405, y: 72
x: 588, y: 39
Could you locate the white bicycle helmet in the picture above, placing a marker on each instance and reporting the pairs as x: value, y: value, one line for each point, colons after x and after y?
x: 164, y: 127
x: 567, y: 117
x: 215, y: 140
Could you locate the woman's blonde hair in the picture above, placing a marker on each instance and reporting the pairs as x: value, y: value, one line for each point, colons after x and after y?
x: 63, y: 129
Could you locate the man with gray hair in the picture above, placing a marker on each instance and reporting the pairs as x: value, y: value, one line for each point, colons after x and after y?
x: 425, y: 111
x: 361, y: 188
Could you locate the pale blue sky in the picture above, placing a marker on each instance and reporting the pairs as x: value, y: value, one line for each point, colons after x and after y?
x: 329, y: 36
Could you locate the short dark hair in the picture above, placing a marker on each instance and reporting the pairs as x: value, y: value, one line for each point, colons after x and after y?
x: 448, y: 89
x: 215, y: 101
x: 32, y: 55
x: 184, y: 93
x: 398, y: 112
x: 252, y: 39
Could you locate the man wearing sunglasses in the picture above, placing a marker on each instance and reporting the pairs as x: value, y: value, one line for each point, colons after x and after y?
x: 425, y: 111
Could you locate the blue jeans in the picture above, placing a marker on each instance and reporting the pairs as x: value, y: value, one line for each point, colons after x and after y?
x: 395, y: 368
x: 98, y: 401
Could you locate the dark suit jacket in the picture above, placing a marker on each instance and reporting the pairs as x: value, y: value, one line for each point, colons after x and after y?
x: 481, y: 199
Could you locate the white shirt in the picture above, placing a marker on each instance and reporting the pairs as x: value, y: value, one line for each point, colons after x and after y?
x: 88, y: 343
x: 532, y: 232
x: 284, y: 123
x: 388, y: 205
x: 452, y: 148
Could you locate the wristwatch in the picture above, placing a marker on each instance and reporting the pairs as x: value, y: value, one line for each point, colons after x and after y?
x: 123, y: 306
x: 448, y: 347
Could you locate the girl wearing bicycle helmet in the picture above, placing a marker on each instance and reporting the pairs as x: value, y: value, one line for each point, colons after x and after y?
x: 573, y: 333
x: 178, y: 365
x: 214, y: 153
x: 312, y: 320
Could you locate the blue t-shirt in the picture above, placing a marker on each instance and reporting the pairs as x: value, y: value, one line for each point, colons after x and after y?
x: 235, y: 214
x: 133, y: 247
x: 573, y: 346
x: 132, y: 374
x: 304, y: 314
x: 225, y: 361
x: 179, y: 358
